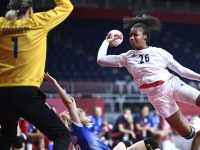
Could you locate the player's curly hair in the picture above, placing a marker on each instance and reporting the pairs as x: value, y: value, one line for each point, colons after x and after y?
x: 147, y: 23
x: 18, y: 8
x: 85, y: 120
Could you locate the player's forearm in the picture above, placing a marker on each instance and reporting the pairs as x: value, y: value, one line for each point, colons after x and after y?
x: 62, y: 11
x: 124, y: 130
x: 187, y: 73
x: 132, y: 126
x: 65, y: 98
x: 139, y: 127
x: 104, y: 59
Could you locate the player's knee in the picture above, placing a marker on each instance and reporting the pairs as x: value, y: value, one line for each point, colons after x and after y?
x: 151, y: 143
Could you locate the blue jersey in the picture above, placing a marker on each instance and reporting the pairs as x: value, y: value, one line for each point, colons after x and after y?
x: 84, y: 138
x: 142, y: 121
x: 155, y: 121
x: 97, y: 123
x: 31, y: 128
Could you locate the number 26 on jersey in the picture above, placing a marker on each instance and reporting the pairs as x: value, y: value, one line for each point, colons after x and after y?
x: 144, y: 58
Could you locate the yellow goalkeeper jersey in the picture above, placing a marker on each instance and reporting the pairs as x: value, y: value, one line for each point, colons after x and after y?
x: 23, y: 45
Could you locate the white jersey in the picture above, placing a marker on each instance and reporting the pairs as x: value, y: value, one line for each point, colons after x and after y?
x: 146, y: 66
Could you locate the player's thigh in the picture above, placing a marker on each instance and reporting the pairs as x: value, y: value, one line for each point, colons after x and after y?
x: 138, y: 146
x: 185, y: 93
x: 163, y: 104
x: 36, y: 110
x: 120, y: 146
x: 9, y: 122
x: 8, y: 117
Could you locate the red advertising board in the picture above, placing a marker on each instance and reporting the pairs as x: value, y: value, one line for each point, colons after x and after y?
x: 188, y: 111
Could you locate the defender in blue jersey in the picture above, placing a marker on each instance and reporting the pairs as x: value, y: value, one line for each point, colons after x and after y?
x: 82, y: 137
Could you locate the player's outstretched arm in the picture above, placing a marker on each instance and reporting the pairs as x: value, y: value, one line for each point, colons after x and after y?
x: 53, y: 17
x: 182, y: 71
x: 67, y: 100
x: 104, y: 59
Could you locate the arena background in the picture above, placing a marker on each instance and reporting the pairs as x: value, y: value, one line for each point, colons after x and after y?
x: 73, y: 47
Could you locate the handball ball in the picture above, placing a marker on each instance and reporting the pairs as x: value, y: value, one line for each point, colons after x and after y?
x: 116, y: 34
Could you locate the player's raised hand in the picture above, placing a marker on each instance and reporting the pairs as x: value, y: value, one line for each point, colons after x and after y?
x: 49, y: 78
x: 110, y: 41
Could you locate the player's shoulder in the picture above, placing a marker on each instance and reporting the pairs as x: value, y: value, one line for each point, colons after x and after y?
x: 120, y: 118
x: 128, y: 53
x: 157, y: 49
x: 37, y: 18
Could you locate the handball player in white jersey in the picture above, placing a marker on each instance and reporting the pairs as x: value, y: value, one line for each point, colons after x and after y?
x: 148, y: 67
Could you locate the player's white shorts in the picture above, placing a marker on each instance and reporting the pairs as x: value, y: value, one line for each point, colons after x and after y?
x: 163, y: 99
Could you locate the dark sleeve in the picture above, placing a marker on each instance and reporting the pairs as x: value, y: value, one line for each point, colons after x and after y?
x: 118, y: 121
x: 137, y: 119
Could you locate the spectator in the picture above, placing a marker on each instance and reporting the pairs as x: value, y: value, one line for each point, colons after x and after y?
x: 19, y: 143
x: 155, y: 119
x: 37, y: 138
x: 143, y: 124
x: 124, y: 127
x: 24, y: 126
x: 158, y: 133
x: 99, y: 125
